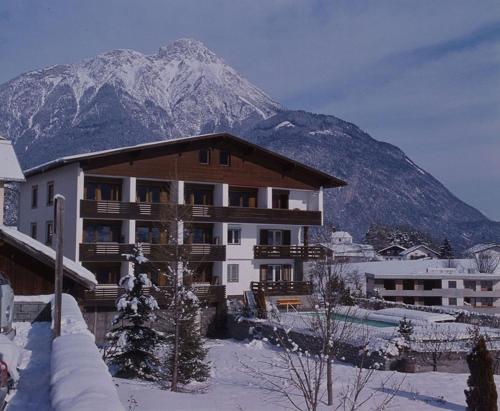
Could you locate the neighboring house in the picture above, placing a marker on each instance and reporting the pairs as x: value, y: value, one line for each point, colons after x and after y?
x: 246, y: 211
x: 392, y: 252
x: 418, y: 252
x: 429, y: 282
x: 343, y: 248
x: 29, y: 266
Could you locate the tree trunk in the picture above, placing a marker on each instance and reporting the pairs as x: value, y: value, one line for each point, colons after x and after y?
x: 329, y: 380
x: 175, y: 366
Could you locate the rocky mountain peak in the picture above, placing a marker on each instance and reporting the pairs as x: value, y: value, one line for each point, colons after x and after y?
x: 188, y: 49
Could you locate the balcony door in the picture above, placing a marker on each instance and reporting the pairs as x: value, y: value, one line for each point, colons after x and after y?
x: 198, y: 234
x: 275, y: 237
x: 280, y: 199
x: 152, y: 192
x: 101, y: 232
x: 147, y: 232
x: 243, y: 197
x: 275, y: 272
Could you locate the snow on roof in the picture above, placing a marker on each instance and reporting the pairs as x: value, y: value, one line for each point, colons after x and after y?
x: 478, y: 248
x: 412, y: 266
x: 10, y: 170
x: 416, y: 247
x: 73, y: 269
x: 341, y: 234
x: 391, y: 246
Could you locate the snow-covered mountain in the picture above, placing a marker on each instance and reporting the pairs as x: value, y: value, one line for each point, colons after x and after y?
x: 184, y: 89
x: 123, y: 97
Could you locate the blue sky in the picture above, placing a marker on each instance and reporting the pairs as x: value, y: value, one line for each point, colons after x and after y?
x: 424, y: 75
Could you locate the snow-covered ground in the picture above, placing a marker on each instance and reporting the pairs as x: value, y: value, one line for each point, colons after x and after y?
x: 33, y: 392
x: 230, y: 387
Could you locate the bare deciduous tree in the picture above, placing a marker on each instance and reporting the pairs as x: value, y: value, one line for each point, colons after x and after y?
x: 487, y: 261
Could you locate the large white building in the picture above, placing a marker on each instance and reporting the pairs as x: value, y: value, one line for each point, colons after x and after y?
x: 431, y: 282
x: 245, y: 211
x: 344, y: 249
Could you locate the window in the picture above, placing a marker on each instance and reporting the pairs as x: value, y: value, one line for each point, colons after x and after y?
x: 486, y: 286
x: 242, y: 197
x: 34, y: 197
x: 234, y: 235
x: 50, y: 193
x: 198, y: 234
x: 97, y: 232
x: 151, y: 192
x: 149, y: 233
x: 280, y: 199
x: 470, y: 284
x: 103, y: 190
x: 204, y: 156
x: 274, y: 237
x: 452, y: 301
x: 49, y: 232
x: 33, y: 230
x: 224, y: 158
x: 275, y: 272
x: 233, y: 273
x: 198, y: 194
x: 452, y: 284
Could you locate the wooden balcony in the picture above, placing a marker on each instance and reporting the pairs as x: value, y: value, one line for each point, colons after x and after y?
x: 281, y: 287
x: 289, y: 251
x: 155, y: 212
x: 106, y: 295
x: 108, y: 252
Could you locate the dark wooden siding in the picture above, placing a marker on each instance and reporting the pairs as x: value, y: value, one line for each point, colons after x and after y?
x: 179, y: 162
x: 28, y: 276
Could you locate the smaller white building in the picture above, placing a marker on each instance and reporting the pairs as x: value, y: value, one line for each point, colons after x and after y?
x: 417, y: 252
x: 344, y: 249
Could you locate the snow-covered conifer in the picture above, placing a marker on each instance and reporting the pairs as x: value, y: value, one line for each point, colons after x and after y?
x: 134, y: 339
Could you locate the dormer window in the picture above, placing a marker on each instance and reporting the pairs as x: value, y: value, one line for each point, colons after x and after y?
x: 204, y: 156
x: 224, y: 158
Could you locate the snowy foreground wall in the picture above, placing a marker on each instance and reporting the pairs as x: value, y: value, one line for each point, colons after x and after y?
x: 80, y: 381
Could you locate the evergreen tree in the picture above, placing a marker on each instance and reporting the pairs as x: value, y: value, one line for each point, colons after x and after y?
x: 192, y: 364
x: 482, y: 392
x: 134, y: 340
x: 405, y: 329
x: 445, y: 250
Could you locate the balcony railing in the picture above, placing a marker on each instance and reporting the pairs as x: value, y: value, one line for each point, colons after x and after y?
x: 156, y: 212
x: 154, y: 252
x: 289, y: 251
x: 281, y: 287
x: 106, y: 295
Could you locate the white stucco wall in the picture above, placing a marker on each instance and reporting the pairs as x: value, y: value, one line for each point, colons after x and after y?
x: 67, y: 182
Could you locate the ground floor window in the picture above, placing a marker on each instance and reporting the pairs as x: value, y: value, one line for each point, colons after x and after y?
x: 275, y: 272
x: 452, y: 301
x: 233, y: 273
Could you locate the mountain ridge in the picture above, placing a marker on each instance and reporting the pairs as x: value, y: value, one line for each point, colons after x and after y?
x: 123, y: 97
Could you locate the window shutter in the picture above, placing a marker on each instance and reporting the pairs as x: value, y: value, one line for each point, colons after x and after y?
x: 263, y: 237
x: 263, y: 272
x: 286, y: 237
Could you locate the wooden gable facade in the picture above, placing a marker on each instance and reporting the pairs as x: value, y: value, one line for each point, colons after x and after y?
x: 230, y: 160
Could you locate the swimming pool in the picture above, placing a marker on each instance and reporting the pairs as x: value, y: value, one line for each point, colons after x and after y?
x: 362, y: 320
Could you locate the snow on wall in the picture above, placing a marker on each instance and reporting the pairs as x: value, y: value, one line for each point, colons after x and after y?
x: 80, y: 380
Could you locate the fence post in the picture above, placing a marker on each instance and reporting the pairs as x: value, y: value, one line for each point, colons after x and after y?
x: 58, y: 280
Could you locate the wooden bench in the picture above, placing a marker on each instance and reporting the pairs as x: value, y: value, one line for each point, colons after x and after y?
x: 288, y: 302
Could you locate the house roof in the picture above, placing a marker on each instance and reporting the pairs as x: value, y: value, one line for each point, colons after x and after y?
x: 46, y: 255
x: 478, y: 248
x: 392, y: 246
x: 324, y: 179
x: 10, y: 170
x: 416, y: 247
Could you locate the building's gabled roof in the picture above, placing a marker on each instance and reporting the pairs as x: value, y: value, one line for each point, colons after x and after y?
x: 479, y: 248
x: 10, y: 170
x: 392, y: 246
x: 416, y: 247
x: 324, y: 179
x: 46, y: 255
